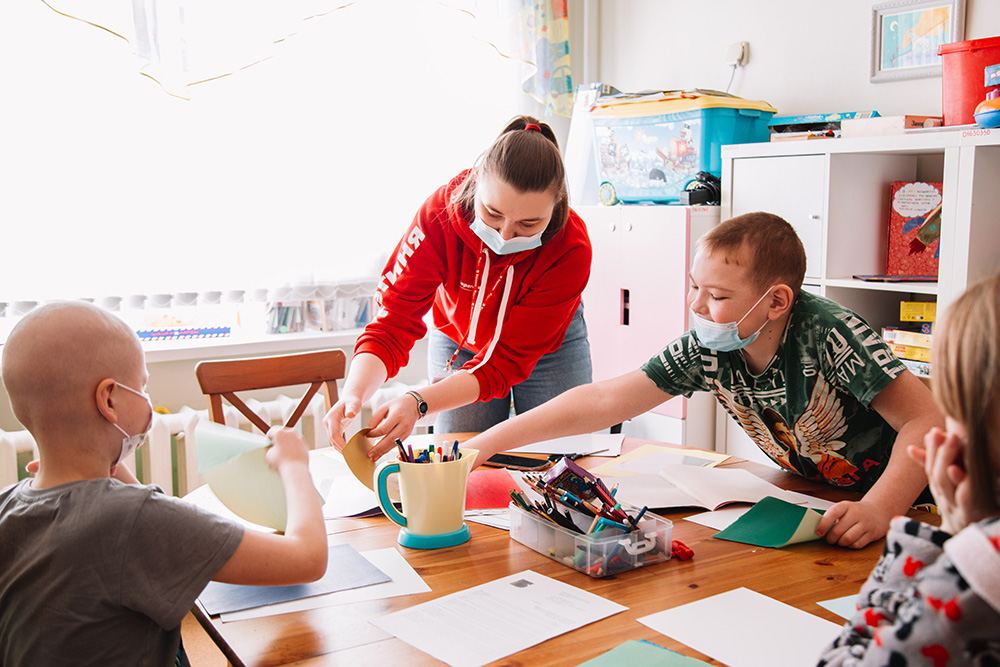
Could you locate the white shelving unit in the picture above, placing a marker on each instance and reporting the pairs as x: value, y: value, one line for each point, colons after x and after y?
x: 835, y: 192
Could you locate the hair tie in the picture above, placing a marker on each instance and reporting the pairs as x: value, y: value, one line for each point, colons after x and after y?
x: 532, y: 126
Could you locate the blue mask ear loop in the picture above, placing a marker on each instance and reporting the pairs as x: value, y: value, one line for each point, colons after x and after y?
x: 762, y: 296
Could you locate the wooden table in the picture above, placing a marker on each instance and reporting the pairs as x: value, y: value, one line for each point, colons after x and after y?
x: 800, y: 575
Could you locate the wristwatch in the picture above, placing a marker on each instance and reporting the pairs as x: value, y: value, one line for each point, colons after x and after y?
x: 421, y: 403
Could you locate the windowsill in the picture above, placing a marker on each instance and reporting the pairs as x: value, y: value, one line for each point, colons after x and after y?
x: 246, y: 344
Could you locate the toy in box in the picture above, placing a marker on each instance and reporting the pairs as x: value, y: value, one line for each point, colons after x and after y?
x: 914, y: 229
x: 652, y: 150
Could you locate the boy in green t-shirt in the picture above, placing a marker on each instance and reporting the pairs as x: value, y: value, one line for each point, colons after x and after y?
x: 809, y: 381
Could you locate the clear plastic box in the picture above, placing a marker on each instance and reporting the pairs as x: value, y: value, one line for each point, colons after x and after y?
x: 598, y: 555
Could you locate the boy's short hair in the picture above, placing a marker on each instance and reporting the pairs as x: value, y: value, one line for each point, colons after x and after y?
x: 765, y: 244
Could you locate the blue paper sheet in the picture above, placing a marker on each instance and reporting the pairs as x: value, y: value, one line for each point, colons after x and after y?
x: 345, y: 569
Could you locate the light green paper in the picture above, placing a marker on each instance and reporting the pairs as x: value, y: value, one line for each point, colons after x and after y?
x: 218, y: 444
x: 773, y: 523
x: 232, y: 462
x: 636, y: 653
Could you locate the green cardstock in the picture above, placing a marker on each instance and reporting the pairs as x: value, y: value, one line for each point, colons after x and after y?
x: 218, y: 444
x: 636, y: 653
x: 773, y: 523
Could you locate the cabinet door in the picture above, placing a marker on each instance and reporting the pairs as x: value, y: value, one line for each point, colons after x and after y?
x: 792, y: 187
x: 635, y: 302
x: 603, y: 299
x: 655, y: 247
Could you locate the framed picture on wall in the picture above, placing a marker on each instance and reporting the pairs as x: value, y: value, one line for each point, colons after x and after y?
x: 906, y: 35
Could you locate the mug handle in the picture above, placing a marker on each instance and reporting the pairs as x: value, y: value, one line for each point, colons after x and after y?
x: 382, y: 493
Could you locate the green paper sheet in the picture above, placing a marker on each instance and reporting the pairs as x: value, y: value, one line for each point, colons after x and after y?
x: 639, y: 653
x: 773, y: 523
x: 232, y: 462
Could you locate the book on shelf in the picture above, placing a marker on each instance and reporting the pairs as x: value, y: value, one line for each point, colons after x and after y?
x: 911, y: 352
x: 182, y: 333
x: 918, y: 311
x: 906, y: 337
x: 886, y: 278
x: 914, y: 228
x: 805, y: 136
x: 878, y: 126
x: 918, y: 368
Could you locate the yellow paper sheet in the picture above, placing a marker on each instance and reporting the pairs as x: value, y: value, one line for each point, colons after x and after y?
x: 356, y: 455
x: 250, y: 487
x: 655, y: 457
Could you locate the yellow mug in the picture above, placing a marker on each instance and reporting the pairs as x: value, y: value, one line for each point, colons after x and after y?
x: 433, y: 500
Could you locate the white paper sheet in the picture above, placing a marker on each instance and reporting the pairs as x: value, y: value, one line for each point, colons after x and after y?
x: 843, y: 607
x: 742, y: 628
x: 488, y: 622
x: 808, y: 501
x: 601, y: 444
x: 495, y: 518
x: 405, y: 581
x: 719, y: 519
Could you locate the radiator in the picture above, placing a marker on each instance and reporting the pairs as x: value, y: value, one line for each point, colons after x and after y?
x: 158, y: 455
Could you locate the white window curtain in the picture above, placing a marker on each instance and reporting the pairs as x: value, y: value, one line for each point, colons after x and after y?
x: 302, y: 168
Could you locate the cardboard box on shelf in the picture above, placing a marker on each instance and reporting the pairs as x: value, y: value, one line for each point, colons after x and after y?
x: 917, y: 311
x: 886, y: 125
x: 911, y: 352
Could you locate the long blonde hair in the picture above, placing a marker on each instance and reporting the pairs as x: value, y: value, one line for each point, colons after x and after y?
x: 966, y: 355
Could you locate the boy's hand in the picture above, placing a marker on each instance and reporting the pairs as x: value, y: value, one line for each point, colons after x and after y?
x: 288, y: 449
x: 854, y: 524
x: 339, y: 418
x: 943, y: 457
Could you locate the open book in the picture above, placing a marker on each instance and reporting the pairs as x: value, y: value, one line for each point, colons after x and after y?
x: 694, y: 486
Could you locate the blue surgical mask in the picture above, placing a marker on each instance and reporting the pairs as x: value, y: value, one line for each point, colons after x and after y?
x: 725, y: 337
x: 495, y: 242
x: 131, y: 442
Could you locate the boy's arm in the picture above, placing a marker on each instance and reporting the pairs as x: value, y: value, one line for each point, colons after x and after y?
x: 907, y: 405
x: 583, y: 409
x: 300, y: 555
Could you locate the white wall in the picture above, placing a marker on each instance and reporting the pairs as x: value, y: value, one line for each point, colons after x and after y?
x: 805, y: 56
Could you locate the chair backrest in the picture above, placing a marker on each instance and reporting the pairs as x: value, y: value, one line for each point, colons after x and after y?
x: 223, y: 378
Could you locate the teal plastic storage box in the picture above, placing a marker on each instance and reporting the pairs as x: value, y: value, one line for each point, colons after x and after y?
x: 650, y: 151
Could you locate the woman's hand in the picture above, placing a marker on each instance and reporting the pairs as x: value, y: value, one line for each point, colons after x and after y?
x: 339, y: 419
x: 394, y: 419
x: 943, y: 457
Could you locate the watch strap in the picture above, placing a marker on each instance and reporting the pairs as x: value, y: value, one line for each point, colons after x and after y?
x: 421, y: 403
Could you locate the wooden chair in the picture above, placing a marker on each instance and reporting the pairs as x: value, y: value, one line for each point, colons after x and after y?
x: 223, y: 378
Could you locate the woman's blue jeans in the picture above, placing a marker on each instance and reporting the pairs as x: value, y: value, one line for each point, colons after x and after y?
x: 554, y: 373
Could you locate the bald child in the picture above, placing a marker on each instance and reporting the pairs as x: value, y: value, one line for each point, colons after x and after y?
x: 97, y: 571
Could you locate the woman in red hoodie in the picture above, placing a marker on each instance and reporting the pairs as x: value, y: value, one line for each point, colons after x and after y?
x: 500, y: 259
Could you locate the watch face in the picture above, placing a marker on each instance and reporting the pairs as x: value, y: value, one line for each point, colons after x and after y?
x: 421, y: 403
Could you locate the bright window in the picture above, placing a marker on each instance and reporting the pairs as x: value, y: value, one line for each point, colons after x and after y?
x: 304, y: 168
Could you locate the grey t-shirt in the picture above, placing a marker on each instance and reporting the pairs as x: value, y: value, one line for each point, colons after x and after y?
x: 102, y: 573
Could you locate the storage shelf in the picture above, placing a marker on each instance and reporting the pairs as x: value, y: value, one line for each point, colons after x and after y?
x: 906, y: 288
x: 243, y: 344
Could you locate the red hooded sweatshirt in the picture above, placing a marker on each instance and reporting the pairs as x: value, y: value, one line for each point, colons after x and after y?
x: 440, y: 264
